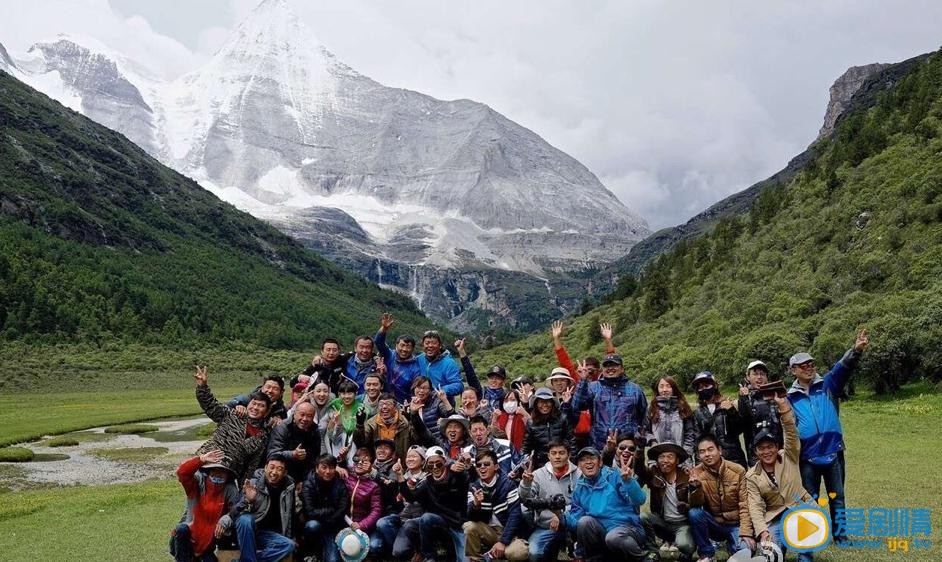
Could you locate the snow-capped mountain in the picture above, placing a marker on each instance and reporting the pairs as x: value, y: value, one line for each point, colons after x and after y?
x: 376, y: 178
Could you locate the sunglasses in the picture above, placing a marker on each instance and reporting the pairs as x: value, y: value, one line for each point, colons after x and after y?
x: 436, y: 464
x: 362, y: 460
x: 629, y: 448
x: 484, y: 464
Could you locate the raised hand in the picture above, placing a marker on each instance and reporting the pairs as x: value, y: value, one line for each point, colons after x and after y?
x: 726, y: 404
x: 612, y: 440
x: 566, y: 396
x: 527, y: 475
x: 200, y: 376
x: 415, y: 405
x: 213, y: 456
x: 554, y: 523
x: 557, y: 330
x: 380, y: 365
x: 442, y: 395
x: 606, y: 330
x: 525, y: 394
x: 385, y: 322
x: 317, y: 360
x: 240, y: 410
x: 299, y: 453
x: 862, y: 341
x: 582, y: 368
x: 249, y: 491
x: 627, y: 472
x: 459, y: 345
x: 478, y: 497
x: 397, y: 468
x: 361, y: 417
x: 743, y: 390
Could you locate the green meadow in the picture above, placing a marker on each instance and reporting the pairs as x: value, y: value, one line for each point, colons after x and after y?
x: 892, y: 454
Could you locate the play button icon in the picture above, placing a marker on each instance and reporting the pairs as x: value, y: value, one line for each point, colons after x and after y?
x: 806, y: 529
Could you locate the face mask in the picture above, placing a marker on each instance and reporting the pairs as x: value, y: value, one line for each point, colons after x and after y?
x: 510, y: 407
x: 667, y: 402
x: 218, y: 480
x: 707, y: 393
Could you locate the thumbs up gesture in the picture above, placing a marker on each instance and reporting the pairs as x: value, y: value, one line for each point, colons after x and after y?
x: 299, y: 453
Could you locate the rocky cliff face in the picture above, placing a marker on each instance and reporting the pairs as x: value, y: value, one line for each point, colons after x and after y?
x: 843, y: 90
x: 442, y: 190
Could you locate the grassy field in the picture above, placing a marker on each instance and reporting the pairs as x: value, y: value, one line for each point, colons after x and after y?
x: 74, y: 387
x: 892, y: 454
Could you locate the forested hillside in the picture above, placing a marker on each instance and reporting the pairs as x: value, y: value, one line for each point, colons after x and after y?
x: 854, y: 240
x: 99, y: 242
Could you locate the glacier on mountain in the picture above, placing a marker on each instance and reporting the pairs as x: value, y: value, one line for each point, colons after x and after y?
x: 277, y: 126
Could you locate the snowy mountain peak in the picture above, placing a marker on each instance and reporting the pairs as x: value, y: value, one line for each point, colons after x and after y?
x: 367, y: 174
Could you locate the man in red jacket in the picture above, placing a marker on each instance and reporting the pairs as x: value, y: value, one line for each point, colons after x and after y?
x: 210, y: 493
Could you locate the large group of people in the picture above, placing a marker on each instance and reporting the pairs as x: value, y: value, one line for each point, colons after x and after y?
x: 389, y: 454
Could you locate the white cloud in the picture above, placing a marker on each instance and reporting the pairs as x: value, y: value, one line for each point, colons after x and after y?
x: 674, y: 105
x: 28, y: 22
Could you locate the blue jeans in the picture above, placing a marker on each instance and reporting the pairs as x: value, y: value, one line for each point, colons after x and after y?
x: 429, y: 524
x: 545, y: 545
x: 260, y: 546
x: 705, y: 528
x: 775, y: 529
x: 833, y: 476
x: 315, y: 531
x: 183, y: 546
x: 384, y: 537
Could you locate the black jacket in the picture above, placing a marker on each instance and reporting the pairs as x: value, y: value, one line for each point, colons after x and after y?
x: 447, y: 497
x: 285, y: 438
x: 758, y: 414
x: 726, y: 426
x: 538, y: 436
x: 325, y: 502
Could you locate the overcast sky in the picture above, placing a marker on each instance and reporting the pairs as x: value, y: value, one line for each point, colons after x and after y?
x: 674, y: 105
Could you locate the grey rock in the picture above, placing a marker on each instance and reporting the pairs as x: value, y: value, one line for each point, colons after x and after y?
x: 843, y: 90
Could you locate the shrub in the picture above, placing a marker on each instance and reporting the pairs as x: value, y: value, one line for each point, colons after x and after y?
x: 15, y: 454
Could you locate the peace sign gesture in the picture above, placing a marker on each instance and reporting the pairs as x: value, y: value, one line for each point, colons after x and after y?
x: 200, y: 376
x: 627, y: 472
x: 862, y: 341
x: 612, y: 439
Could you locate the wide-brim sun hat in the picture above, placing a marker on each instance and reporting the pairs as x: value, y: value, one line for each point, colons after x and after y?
x: 667, y: 447
x: 353, y: 544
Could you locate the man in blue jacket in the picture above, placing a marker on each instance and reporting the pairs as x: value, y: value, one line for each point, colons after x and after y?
x: 436, y: 364
x: 604, y: 511
x: 814, y: 400
x: 615, y: 402
x: 401, y: 366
